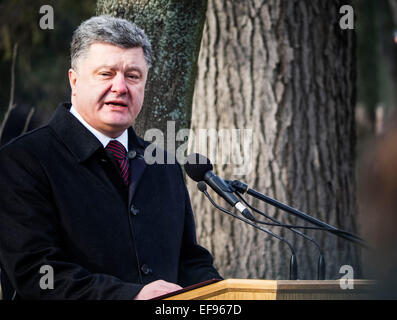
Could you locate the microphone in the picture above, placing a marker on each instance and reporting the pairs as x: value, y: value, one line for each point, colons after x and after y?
x: 293, y: 275
x: 199, y: 168
x: 243, y: 188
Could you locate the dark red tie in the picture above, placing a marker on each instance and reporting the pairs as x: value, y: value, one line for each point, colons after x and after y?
x: 120, y: 154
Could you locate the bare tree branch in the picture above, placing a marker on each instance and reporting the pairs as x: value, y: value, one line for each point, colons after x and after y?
x: 28, y: 119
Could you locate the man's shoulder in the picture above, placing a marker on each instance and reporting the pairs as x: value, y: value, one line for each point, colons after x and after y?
x: 31, y: 137
x: 24, y: 153
x: 30, y: 142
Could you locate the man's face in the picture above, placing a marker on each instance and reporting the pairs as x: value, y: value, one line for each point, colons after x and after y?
x: 108, y: 87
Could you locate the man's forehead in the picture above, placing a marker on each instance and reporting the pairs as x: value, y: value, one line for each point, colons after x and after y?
x: 107, y: 54
x: 106, y: 46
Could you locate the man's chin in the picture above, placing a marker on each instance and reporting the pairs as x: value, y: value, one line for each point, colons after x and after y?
x: 114, y: 128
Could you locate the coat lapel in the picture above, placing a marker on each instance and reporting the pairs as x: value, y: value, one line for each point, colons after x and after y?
x: 136, y: 146
x: 80, y: 141
x: 71, y: 130
x: 87, y: 149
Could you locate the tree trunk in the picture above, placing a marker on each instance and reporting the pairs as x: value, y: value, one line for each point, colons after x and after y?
x: 174, y: 28
x: 286, y: 70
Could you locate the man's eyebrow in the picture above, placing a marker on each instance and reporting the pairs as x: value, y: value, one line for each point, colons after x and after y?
x: 105, y: 66
x: 134, y: 68
x: 111, y: 67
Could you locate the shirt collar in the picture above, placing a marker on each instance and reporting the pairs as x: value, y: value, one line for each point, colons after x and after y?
x: 104, y: 139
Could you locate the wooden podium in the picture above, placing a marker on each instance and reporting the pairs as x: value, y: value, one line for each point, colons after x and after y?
x: 247, y: 289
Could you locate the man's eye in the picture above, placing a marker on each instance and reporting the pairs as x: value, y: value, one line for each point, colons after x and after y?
x: 105, y: 74
x: 133, y: 76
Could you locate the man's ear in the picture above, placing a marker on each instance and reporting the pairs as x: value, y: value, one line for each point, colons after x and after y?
x: 72, y: 80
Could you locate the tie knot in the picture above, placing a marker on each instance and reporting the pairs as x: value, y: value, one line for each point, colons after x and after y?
x: 117, y: 149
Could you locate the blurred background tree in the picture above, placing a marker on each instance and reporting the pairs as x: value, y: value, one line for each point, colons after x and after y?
x: 376, y: 24
x: 42, y: 60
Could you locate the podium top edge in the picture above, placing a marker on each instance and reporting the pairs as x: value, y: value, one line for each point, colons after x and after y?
x: 360, y: 284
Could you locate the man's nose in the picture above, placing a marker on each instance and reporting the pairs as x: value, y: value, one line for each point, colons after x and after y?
x: 119, y: 84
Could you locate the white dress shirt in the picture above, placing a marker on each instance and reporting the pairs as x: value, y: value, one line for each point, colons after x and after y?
x: 104, y: 139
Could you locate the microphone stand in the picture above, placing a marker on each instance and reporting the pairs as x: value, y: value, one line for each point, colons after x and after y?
x: 293, y: 274
x: 243, y: 188
x: 321, y: 260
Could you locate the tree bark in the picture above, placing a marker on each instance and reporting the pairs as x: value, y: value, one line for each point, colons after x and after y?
x: 174, y: 28
x: 286, y: 70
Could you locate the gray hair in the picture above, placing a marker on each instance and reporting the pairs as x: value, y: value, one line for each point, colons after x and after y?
x: 107, y: 29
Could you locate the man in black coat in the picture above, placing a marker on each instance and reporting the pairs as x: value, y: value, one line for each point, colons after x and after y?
x: 82, y: 215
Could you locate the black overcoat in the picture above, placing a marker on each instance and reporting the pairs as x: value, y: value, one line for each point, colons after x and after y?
x: 63, y: 204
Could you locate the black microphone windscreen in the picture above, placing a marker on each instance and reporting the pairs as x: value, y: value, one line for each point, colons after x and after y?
x: 197, y: 166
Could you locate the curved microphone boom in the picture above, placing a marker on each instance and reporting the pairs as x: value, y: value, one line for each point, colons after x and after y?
x: 320, y: 225
x: 199, y: 168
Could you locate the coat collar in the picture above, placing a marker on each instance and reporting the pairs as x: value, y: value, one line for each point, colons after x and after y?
x: 79, y: 140
x: 83, y: 144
